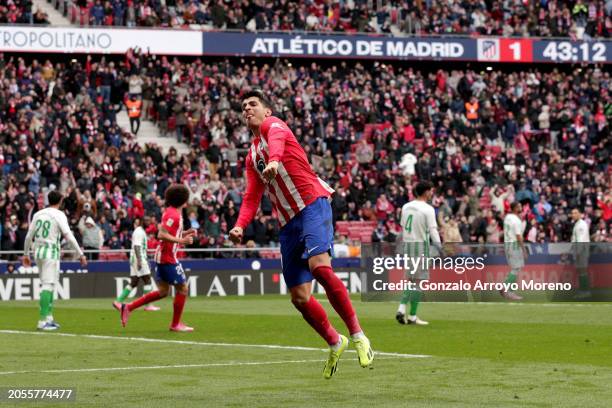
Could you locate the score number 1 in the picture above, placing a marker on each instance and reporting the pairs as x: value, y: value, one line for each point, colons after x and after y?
x: 513, y: 50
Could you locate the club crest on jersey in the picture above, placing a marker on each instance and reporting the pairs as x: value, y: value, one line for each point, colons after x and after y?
x: 261, y: 165
x: 170, y: 222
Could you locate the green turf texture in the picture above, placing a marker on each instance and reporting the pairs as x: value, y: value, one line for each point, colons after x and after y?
x: 493, y: 355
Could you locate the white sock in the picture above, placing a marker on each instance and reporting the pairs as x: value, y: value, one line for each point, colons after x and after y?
x: 336, y: 346
x: 50, y: 318
x: 41, y: 323
x: 402, y: 308
x: 412, y: 317
x: 358, y: 335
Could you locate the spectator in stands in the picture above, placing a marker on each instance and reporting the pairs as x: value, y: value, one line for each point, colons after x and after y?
x: 250, y: 253
x: 364, y: 152
x: 9, y: 236
x: 97, y: 13
x: 134, y: 107
x: 93, y: 236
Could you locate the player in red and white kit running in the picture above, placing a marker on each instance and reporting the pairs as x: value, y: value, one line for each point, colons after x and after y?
x: 277, y: 164
x: 169, y: 269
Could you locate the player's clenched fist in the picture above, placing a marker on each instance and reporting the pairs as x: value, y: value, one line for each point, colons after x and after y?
x: 270, y: 171
x: 236, y: 235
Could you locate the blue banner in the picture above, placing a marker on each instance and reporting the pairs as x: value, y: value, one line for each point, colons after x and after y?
x: 338, y: 46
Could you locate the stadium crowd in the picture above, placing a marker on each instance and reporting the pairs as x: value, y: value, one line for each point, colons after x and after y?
x: 579, y: 18
x: 21, y: 12
x: 484, y: 138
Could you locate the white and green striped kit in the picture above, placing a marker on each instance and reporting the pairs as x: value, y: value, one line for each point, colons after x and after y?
x: 48, y: 225
x: 139, y: 238
x: 513, y: 226
x: 417, y: 219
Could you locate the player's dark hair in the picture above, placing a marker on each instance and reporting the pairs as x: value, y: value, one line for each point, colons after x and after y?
x: 54, y: 197
x: 514, y: 205
x: 422, y: 187
x: 577, y: 209
x: 176, y: 195
x: 259, y: 94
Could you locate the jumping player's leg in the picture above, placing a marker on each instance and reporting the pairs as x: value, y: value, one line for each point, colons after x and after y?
x: 336, y: 292
x: 317, y: 235
x: 313, y: 312
x: 316, y: 317
x: 338, y: 296
x: 298, y: 278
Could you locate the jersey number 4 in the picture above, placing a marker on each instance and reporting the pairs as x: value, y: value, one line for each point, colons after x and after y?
x: 44, y: 225
x: 408, y: 226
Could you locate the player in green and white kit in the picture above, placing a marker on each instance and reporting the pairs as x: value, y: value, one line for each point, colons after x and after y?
x: 44, y: 236
x: 139, y: 265
x: 580, y: 247
x: 419, y: 226
x: 514, y: 247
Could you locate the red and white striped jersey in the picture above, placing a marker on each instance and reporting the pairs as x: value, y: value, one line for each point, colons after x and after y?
x: 294, y: 187
x: 172, y: 221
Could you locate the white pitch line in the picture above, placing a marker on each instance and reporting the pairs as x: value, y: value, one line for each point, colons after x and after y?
x: 206, y: 344
x: 230, y: 364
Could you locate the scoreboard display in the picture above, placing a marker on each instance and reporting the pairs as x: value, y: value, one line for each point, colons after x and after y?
x: 535, y: 50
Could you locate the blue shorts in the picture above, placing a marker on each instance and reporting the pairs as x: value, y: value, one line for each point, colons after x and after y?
x: 309, y: 233
x: 170, y: 273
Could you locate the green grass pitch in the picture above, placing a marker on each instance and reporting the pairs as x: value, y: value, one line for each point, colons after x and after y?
x: 493, y: 355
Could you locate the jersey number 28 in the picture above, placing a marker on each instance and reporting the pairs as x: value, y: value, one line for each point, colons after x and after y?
x: 45, y: 228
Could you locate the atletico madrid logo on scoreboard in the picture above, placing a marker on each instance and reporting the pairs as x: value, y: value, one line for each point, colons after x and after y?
x: 488, y: 49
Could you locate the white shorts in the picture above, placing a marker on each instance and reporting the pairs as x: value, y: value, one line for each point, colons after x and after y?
x: 48, y: 269
x: 515, y: 258
x: 144, y: 271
